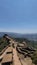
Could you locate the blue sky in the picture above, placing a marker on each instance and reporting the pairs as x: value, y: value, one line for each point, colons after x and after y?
x: 18, y: 16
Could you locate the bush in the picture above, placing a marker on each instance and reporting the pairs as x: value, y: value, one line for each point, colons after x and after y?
x: 34, y: 58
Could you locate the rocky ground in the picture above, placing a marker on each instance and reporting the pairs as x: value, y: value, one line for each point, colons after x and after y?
x: 21, y: 53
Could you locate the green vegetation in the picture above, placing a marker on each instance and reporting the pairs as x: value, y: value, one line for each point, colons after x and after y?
x: 32, y: 43
x: 3, y: 43
x: 34, y: 58
x: 20, y: 40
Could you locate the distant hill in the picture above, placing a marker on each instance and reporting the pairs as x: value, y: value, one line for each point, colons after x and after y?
x: 17, y: 35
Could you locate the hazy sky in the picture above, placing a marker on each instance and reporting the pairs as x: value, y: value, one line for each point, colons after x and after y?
x: 18, y: 16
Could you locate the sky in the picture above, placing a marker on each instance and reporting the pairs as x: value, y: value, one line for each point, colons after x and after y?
x: 19, y: 16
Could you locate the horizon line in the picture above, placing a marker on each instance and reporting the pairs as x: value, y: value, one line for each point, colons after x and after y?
x: 17, y: 32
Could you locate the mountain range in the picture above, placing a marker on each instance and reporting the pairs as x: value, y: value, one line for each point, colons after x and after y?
x: 18, y: 35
